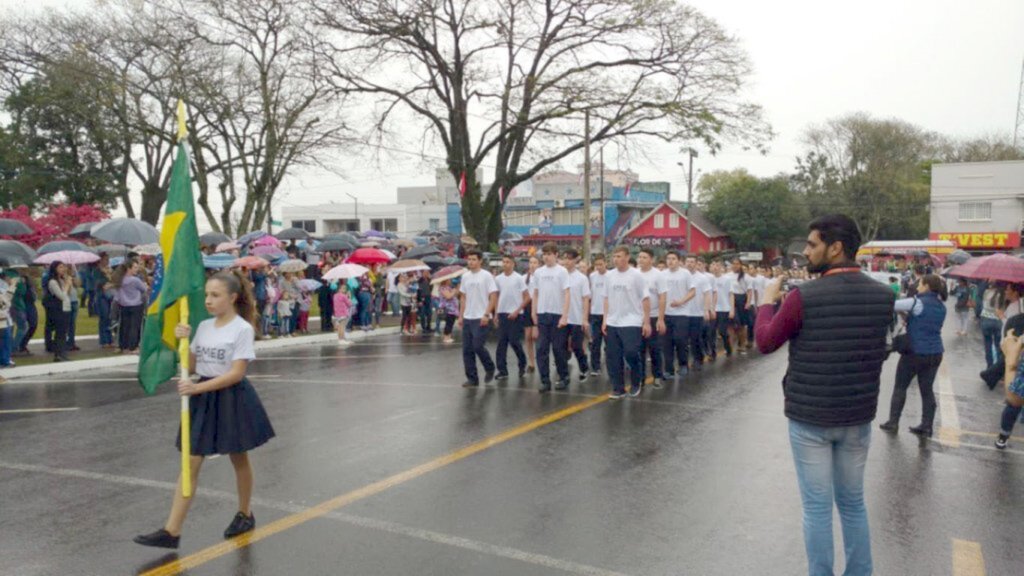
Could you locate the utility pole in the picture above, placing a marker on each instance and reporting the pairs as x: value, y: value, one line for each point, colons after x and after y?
x: 600, y: 183
x: 586, y: 187
x: 689, y: 202
x: 1018, y: 131
x: 355, y: 202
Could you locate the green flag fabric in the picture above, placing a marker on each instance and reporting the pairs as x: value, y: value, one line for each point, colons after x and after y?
x: 180, y: 273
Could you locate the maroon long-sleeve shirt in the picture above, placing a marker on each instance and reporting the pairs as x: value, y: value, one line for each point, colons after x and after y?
x: 773, y: 329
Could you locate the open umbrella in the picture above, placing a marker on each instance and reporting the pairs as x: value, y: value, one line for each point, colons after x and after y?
x: 251, y: 236
x: 148, y: 249
x: 68, y: 257
x: 374, y: 234
x: 63, y: 246
x: 336, y: 246
x: 455, y: 261
x: 271, y: 251
x: 346, y: 236
x: 434, y: 261
x: 82, y: 230
x: 112, y: 249
x: 448, y: 273
x: 127, y: 231
x: 422, y: 251
x: 309, y: 285
x: 467, y: 239
x: 10, y: 227
x: 292, y: 234
x: 250, y: 262
x: 401, y: 242
x: 508, y: 235
x: 227, y: 247
x: 409, y: 266
x: 345, y: 271
x: 369, y: 256
x: 219, y: 261
x: 213, y: 238
x: 370, y: 244
x: 998, y: 267
x: 293, y: 265
x: 14, y: 253
x: 958, y: 257
x: 267, y: 241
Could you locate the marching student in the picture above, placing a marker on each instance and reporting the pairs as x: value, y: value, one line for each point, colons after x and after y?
x: 741, y: 294
x: 530, y: 328
x: 551, y: 316
x: 226, y: 413
x: 723, y: 309
x: 598, y: 291
x: 709, y: 337
x: 696, y: 311
x: 652, y: 344
x: 479, y: 296
x: 627, y: 309
x: 579, y: 310
x: 681, y: 291
x: 513, y: 298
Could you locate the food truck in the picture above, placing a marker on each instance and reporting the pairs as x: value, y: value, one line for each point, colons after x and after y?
x: 880, y: 254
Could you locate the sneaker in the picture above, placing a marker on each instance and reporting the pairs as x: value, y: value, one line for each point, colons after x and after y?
x: 595, y: 372
x: 562, y: 386
x: 583, y: 377
x: 617, y: 395
x: 669, y: 375
x: 635, y: 391
x: 545, y: 388
x: 348, y: 342
x: 890, y: 426
x: 501, y: 377
x: 470, y: 384
x: 240, y: 525
x: 921, y: 431
x: 159, y: 539
x: 1001, y: 441
x: 488, y: 377
x: 684, y: 371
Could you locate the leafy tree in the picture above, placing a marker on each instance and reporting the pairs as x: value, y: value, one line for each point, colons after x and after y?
x: 757, y: 213
x: 56, y: 222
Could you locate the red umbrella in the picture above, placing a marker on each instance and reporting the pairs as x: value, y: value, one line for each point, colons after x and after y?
x: 998, y: 267
x: 368, y: 256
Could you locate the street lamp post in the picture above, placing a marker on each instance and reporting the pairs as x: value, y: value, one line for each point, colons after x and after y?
x: 355, y: 201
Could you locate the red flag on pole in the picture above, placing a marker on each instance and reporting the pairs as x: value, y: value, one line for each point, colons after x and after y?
x: 626, y: 193
x: 462, y: 186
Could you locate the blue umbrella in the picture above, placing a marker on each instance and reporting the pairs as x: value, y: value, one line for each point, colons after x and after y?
x: 218, y: 261
x: 251, y: 236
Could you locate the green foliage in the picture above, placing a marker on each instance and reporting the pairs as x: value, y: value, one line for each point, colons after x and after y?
x: 756, y: 212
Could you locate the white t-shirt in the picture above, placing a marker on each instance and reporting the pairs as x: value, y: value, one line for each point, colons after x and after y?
x: 579, y: 288
x: 657, y: 286
x: 723, y: 288
x: 758, y: 284
x: 740, y: 287
x: 216, y: 348
x: 549, y: 285
x: 598, y: 290
x: 626, y: 294
x: 695, y: 308
x: 478, y: 287
x: 510, y: 291
x: 678, y: 284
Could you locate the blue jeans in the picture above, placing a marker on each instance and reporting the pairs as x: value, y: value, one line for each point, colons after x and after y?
x: 20, y: 320
x: 623, y: 347
x: 830, y: 468
x: 363, y: 297
x: 6, y: 342
x: 103, y: 311
x: 474, y: 338
x: 72, y: 321
x: 992, y: 331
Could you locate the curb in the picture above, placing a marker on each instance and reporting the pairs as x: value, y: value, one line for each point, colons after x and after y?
x: 53, y: 368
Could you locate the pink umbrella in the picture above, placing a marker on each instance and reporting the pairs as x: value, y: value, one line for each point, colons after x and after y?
x: 251, y: 262
x: 272, y: 251
x: 267, y: 241
x: 67, y: 257
x: 227, y: 247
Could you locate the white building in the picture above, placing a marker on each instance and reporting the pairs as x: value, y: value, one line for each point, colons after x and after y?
x: 402, y: 219
x: 978, y: 205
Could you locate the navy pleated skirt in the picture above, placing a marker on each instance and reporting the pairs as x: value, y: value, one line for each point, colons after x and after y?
x: 227, y: 421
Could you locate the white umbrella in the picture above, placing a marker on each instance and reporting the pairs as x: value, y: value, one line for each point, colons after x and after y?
x: 148, y: 249
x: 292, y: 265
x: 227, y: 247
x: 389, y: 253
x: 74, y: 257
x: 345, y: 271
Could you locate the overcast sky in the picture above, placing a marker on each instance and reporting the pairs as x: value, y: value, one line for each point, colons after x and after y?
x: 946, y: 65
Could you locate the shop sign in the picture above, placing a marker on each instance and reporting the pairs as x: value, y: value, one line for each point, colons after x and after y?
x: 983, y: 240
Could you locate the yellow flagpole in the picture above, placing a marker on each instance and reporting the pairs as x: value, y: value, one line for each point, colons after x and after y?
x: 183, y: 355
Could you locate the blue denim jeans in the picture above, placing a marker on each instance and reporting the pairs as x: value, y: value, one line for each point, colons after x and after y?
x: 830, y: 468
x: 103, y: 311
x: 72, y: 321
x: 992, y: 332
x: 20, y: 320
x: 6, y: 341
x: 364, y: 300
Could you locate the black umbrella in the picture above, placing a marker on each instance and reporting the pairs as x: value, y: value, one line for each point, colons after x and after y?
x: 63, y: 246
x: 292, y: 234
x: 82, y: 230
x: 126, y: 231
x: 14, y: 253
x: 10, y: 227
x: 213, y: 238
x: 336, y: 245
x: 421, y: 251
x: 434, y: 261
x: 456, y: 261
x: 958, y: 257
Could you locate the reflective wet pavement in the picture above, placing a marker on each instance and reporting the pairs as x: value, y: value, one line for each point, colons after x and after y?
x: 695, y: 478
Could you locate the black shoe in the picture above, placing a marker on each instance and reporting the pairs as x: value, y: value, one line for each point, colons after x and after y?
x: 545, y: 388
x: 1001, y: 441
x: 921, y: 431
x: 470, y: 384
x: 635, y: 391
x: 696, y: 367
x: 522, y: 373
x: 488, y: 377
x: 562, y: 386
x: 501, y: 377
x: 583, y: 377
x: 240, y: 525
x: 670, y: 375
x: 991, y: 380
x: 159, y: 539
x: 890, y: 426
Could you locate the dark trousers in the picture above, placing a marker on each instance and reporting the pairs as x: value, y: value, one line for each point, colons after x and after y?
x: 677, y: 337
x: 474, y: 338
x: 550, y: 336
x: 651, y: 347
x: 426, y: 315
x: 57, y: 325
x: 510, y: 333
x: 326, y: 301
x: 577, y: 336
x: 623, y: 347
x: 449, y: 323
x: 709, y: 337
x: 131, y: 327
x: 695, y: 335
x: 72, y: 321
x: 32, y: 317
x: 924, y: 368
x: 722, y: 328
x: 103, y: 310
x: 596, y: 340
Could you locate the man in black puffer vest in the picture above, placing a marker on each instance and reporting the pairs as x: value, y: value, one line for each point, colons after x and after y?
x: 836, y: 328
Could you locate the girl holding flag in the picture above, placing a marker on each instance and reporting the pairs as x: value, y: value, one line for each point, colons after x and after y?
x: 226, y: 413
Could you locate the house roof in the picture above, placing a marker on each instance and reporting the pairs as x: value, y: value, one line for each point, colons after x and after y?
x: 697, y: 219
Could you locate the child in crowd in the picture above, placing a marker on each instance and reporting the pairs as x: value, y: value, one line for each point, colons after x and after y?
x: 305, y: 303
x: 407, y: 290
x: 448, y: 305
x: 342, y: 311
x: 284, y: 315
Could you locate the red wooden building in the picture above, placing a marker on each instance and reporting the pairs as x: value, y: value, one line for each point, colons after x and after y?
x: 665, y: 227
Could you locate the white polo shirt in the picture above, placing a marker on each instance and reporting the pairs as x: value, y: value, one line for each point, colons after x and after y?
x: 510, y: 291
x: 679, y: 284
x: 598, y: 290
x: 723, y: 288
x: 695, y: 308
x: 549, y: 284
x: 626, y: 293
x: 657, y: 286
x: 579, y: 287
x: 478, y: 287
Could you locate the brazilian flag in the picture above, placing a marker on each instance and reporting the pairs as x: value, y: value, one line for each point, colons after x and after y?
x: 181, y: 274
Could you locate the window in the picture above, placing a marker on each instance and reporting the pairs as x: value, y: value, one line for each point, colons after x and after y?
x: 568, y: 216
x: 975, y: 211
x: 434, y: 224
x: 659, y: 221
x: 673, y: 221
x: 384, y: 224
x: 307, y: 225
x: 335, y: 226
x: 522, y: 217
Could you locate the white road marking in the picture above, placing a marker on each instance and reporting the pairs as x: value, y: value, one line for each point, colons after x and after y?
x: 947, y: 408
x: 91, y: 380
x: 360, y: 521
x: 37, y: 410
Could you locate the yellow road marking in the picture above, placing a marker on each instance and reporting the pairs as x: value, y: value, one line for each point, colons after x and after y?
x: 967, y: 558
x: 288, y: 522
x: 37, y: 410
x: 947, y: 408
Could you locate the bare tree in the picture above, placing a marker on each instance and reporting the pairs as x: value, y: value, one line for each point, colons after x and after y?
x: 508, y: 82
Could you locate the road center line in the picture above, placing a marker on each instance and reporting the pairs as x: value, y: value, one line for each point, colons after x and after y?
x: 948, y: 433
x: 967, y: 558
x: 359, y: 521
x: 288, y: 522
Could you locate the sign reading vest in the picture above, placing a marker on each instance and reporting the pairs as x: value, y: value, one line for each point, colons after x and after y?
x: 981, y: 240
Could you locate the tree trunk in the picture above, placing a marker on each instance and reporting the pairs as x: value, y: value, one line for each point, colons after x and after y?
x: 153, y: 197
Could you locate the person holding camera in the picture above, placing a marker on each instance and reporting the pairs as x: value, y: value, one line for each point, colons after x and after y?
x: 926, y: 314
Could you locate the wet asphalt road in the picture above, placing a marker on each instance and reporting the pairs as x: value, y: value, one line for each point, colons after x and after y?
x: 696, y: 478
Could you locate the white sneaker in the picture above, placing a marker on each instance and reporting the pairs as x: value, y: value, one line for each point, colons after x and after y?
x: 341, y: 342
x: 346, y: 342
